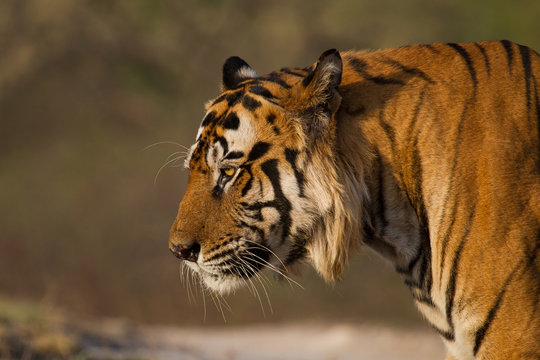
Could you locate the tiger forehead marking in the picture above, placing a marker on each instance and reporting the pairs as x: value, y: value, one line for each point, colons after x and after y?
x: 428, y: 154
x: 221, y: 134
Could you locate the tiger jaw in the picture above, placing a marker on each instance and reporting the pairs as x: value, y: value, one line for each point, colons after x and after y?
x: 232, y: 266
x: 220, y: 283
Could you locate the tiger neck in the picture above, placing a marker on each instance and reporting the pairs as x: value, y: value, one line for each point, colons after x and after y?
x: 393, y: 225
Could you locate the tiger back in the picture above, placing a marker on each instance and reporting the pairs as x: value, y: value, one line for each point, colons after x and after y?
x: 428, y: 154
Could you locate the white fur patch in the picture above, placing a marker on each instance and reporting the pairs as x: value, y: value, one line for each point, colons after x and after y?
x: 188, y: 156
x: 243, y: 138
x: 246, y: 72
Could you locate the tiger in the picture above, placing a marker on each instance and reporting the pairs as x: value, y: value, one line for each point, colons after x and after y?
x: 427, y: 154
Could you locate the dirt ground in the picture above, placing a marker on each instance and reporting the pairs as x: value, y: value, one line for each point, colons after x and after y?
x: 32, y: 331
x: 291, y: 341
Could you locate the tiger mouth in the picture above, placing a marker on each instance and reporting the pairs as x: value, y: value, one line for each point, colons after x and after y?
x: 232, y: 267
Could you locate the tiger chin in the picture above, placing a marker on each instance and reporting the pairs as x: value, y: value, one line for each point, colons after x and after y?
x: 428, y: 154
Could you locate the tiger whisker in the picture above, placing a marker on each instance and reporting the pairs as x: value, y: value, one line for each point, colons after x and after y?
x: 167, y: 162
x: 188, y: 287
x: 234, y: 267
x: 204, y: 300
x: 250, y: 268
x: 164, y: 142
x: 255, y: 272
x: 225, y: 303
x: 260, y: 277
x: 217, y: 304
x: 267, y: 249
x: 245, y: 268
x: 264, y: 265
x: 174, y: 154
x: 245, y: 276
x: 272, y: 267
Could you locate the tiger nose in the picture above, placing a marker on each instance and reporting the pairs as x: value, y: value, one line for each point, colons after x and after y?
x: 189, y: 252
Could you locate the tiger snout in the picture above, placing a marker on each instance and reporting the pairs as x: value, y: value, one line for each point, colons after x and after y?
x: 188, y: 252
x: 183, y: 243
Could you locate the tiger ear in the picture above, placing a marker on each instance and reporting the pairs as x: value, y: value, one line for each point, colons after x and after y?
x: 236, y: 70
x: 318, y: 97
x: 326, y: 76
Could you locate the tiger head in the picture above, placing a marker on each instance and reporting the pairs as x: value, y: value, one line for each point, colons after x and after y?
x: 264, y: 188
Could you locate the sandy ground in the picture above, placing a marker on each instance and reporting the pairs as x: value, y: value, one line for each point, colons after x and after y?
x: 292, y: 341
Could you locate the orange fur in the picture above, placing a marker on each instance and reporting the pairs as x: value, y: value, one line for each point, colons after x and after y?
x: 429, y: 154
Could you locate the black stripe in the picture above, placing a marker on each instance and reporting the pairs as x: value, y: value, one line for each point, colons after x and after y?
x: 360, y: 67
x: 208, y: 119
x: 259, y: 231
x: 294, y: 72
x: 221, y: 254
x: 425, y: 274
x: 280, y: 202
x: 425, y: 277
x: 250, y: 103
x: 233, y: 98
x: 381, y: 203
x: 526, y: 61
x: 221, y: 244
x: 249, y: 182
x: 412, y: 263
x: 451, y: 288
x: 298, y: 248
x: 258, y: 150
x: 234, y: 155
x: 414, y: 118
x: 470, y: 66
x: 261, y: 189
x: 223, y: 142
x: 261, y: 90
x: 256, y: 256
x: 368, y: 231
x: 481, y: 332
x: 509, y: 52
x: 446, y: 237
x: 231, y: 122
x: 430, y: 47
x: 308, y: 78
x: 296, y: 252
x: 270, y: 118
x: 217, y: 191
x: 388, y: 129
x: 423, y: 299
x: 416, y: 169
x: 486, y: 59
x: 411, y: 283
x: 448, y: 335
x: 415, y: 196
x: 274, y: 78
x: 290, y: 156
x: 219, y: 99
x: 409, y: 70
x: 537, y: 101
x: 452, y: 177
x: 530, y: 267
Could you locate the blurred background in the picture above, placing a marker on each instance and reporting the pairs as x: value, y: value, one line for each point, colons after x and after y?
x: 96, y: 95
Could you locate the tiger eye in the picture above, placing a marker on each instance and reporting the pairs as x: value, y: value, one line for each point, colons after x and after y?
x: 229, y: 171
